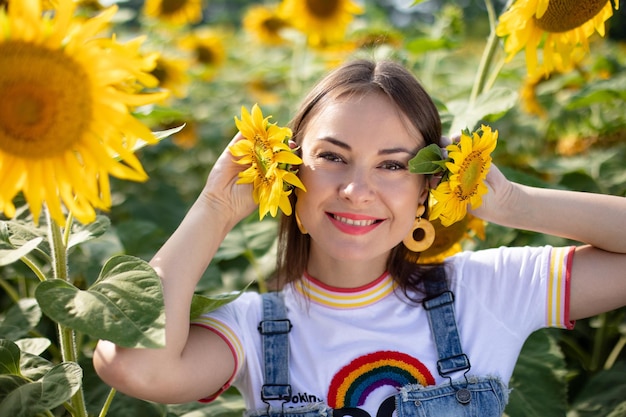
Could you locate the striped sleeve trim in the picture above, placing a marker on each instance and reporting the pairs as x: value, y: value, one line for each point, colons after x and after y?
x: 231, y: 339
x: 559, y: 287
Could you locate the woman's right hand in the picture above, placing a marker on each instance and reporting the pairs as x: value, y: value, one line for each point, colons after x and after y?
x: 221, y: 189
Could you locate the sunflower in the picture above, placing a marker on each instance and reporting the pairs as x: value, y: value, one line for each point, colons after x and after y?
x: 65, y: 121
x: 266, y: 150
x: 563, y: 27
x: 265, y: 24
x: 449, y: 240
x: 172, y: 75
x: 177, y: 12
x: 469, y: 162
x: 263, y: 90
x: 528, y: 96
x: 323, y: 21
x: 207, y: 49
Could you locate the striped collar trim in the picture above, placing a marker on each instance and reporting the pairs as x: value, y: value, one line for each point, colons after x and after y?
x: 345, y: 298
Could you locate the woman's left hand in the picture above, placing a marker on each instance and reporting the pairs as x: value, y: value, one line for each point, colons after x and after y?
x: 501, y: 195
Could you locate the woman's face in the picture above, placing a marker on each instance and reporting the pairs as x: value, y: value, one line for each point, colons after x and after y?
x: 361, y: 198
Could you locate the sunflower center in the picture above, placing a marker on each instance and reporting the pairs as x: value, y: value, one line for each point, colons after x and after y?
x: 170, y: 7
x: 160, y: 72
x: 273, y: 24
x: 322, y: 8
x: 206, y: 55
x: 564, y: 15
x: 261, y: 151
x: 46, y: 100
x: 469, y: 176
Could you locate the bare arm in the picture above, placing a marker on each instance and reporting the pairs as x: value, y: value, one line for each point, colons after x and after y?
x: 598, y: 280
x: 195, y: 362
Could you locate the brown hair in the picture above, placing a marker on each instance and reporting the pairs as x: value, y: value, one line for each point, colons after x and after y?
x: 359, y: 77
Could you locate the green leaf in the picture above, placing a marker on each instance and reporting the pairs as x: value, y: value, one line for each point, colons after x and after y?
x: 52, y: 390
x: 34, y: 345
x: 493, y: 102
x: 9, y: 358
x: 20, y: 319
x: 202, y: 304
x: 125, y: 304
x: 34, y: 367
x: 257, y: 237
x: 9, y: 383
x: 603, y: 394
x: 159, y: 135
x: 90, y: 231
x: 8, y: 256
x: 19, y: 233
x: 538, y: 380
x: 600, y: 92
x: 162, y: 134
x: 429, y: 160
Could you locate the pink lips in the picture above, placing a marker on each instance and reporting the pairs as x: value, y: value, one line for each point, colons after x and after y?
x: 353, y: 224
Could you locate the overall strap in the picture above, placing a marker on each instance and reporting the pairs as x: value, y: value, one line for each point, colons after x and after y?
x: 439, y: 305
x: 274, y: 329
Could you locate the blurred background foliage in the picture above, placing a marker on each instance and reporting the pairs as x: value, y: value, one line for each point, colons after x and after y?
x: 567, y: 131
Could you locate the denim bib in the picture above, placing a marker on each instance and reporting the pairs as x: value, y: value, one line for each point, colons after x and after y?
x: 467, y: 396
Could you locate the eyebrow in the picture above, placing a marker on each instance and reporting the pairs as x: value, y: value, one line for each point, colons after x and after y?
x: 387, y: 151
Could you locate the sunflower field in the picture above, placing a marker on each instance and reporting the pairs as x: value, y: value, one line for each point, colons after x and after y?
x: 112, y: 114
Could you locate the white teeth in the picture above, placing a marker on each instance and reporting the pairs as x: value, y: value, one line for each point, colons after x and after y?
x: 354, y: 222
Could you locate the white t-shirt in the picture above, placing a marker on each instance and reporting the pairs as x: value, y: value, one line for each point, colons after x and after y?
x: 355, y: 347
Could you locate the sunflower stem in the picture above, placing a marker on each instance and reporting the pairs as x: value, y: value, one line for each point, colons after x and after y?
x: 33, y: 267
x: 597, y: 352
x: 15, y: 297
x: 107, y: 403
x: 488, y: 53
x: 67, y: 336
x: 619, y: 346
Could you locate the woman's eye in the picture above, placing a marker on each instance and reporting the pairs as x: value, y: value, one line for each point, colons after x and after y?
x: 393, y: 165
x: 330, y: 156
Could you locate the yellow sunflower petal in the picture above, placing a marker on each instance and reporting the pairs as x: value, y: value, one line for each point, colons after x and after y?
x: 70, y: 99
x: 292, y: 179
x: 266, y: 150
x: 470, y: 160
x: 559, y: 27
x: 323, y: 22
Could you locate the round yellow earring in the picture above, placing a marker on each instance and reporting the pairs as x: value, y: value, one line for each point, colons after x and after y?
x: 422, y: 234
x: 299, y: 223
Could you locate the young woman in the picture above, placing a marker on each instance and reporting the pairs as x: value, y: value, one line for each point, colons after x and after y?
x: 356, y: 329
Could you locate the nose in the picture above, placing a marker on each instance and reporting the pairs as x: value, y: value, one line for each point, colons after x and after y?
x: 357, y: 187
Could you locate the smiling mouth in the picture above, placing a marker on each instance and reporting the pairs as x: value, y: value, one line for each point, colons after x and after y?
x: 354, y: 222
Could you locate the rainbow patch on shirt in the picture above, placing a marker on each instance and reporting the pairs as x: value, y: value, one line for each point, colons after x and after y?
x: 351, y: 386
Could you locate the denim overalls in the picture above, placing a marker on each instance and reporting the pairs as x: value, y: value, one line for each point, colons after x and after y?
x: 466, y: 397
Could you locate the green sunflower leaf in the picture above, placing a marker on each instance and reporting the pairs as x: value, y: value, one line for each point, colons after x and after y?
x: 159, y: 135
x: 125, y: 304
x: 9, y: 358
x: 538, y: 380
x: 429, y: 160
x: 492, y: 103
x: 20, y: 318
x: 9, y: 256
x: 90, y: 231
x: 202, y: 304
x: 52, y: 390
